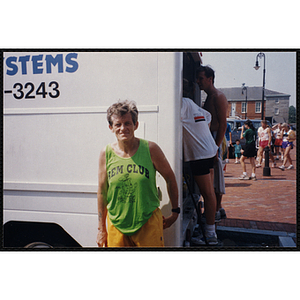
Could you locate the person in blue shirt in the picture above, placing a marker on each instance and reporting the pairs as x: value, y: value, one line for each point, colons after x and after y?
x: 237, y: 151
x: 228, y: 140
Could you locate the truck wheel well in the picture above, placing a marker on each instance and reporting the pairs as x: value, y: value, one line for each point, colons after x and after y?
x: 29, y: 234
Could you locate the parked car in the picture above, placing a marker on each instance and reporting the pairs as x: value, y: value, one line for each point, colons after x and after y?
x: 236, y: 127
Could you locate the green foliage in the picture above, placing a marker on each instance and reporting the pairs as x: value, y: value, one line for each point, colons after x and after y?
x: 292, y: 114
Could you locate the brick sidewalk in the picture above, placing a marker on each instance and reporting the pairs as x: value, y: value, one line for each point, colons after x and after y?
x: 268, y: 203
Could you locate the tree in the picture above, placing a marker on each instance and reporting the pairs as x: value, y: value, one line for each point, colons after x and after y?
x: 292, y: 114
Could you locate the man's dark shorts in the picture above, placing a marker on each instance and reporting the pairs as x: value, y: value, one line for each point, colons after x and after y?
x: 202, y: 166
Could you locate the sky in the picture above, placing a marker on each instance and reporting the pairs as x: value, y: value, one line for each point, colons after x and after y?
x: 232, y: 69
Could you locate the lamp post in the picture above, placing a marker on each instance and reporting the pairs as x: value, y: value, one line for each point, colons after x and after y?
x: 244, y: 88
x: 266, y: 170
x: 256, y: 67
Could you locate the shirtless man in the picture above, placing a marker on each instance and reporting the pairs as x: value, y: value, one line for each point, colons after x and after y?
x: 216, y: 103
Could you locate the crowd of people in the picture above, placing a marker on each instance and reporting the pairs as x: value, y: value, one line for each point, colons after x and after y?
x: 128, y: 199
x: 280, y: 138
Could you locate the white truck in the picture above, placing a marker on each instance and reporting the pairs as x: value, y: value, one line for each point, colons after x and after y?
x: 55, y: 124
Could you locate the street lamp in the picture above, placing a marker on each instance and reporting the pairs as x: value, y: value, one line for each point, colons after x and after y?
x: 256, y: 67
x: 266, y: 170
x: 244, y: 88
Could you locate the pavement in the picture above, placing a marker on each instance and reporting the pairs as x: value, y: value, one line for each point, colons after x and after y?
x: 266, y: 204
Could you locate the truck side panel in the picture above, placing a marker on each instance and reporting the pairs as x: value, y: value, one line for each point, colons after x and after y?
x: 55, y: 125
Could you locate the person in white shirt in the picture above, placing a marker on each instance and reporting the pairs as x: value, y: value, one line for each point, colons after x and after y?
x: 200, y: 150
x: 265, y: 139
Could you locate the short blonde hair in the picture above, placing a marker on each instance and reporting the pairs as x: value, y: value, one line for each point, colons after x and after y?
x: 121, y: 108
x: 285, y: 125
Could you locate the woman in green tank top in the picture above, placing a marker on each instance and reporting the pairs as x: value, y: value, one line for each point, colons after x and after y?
x: 127, y: 192
x: 249, y: 151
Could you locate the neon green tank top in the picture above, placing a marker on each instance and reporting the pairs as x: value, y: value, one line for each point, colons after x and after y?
x: 132, y: 193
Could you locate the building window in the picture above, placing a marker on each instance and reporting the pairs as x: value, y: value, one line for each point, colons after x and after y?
x: 276, y: 111
x: 244, y: 107
x: 257, y: 107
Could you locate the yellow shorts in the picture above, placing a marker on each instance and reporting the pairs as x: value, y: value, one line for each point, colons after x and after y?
x: 149, y: 235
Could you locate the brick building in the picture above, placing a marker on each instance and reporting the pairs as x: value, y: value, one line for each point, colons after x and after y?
x: 276, y: 104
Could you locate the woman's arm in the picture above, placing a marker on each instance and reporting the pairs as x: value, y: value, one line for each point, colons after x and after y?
x: 162, y: 165
x: 102, y: 200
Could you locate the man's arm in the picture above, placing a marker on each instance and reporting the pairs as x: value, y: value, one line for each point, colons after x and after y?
x: 162, y: 165
x: 270, y: 136
x: 242, y: 133
x: 102, y: 200
x: 221, y: 106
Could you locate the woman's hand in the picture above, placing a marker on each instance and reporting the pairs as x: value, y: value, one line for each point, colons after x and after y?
x: 167, y: 222
x: 102, y: 238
